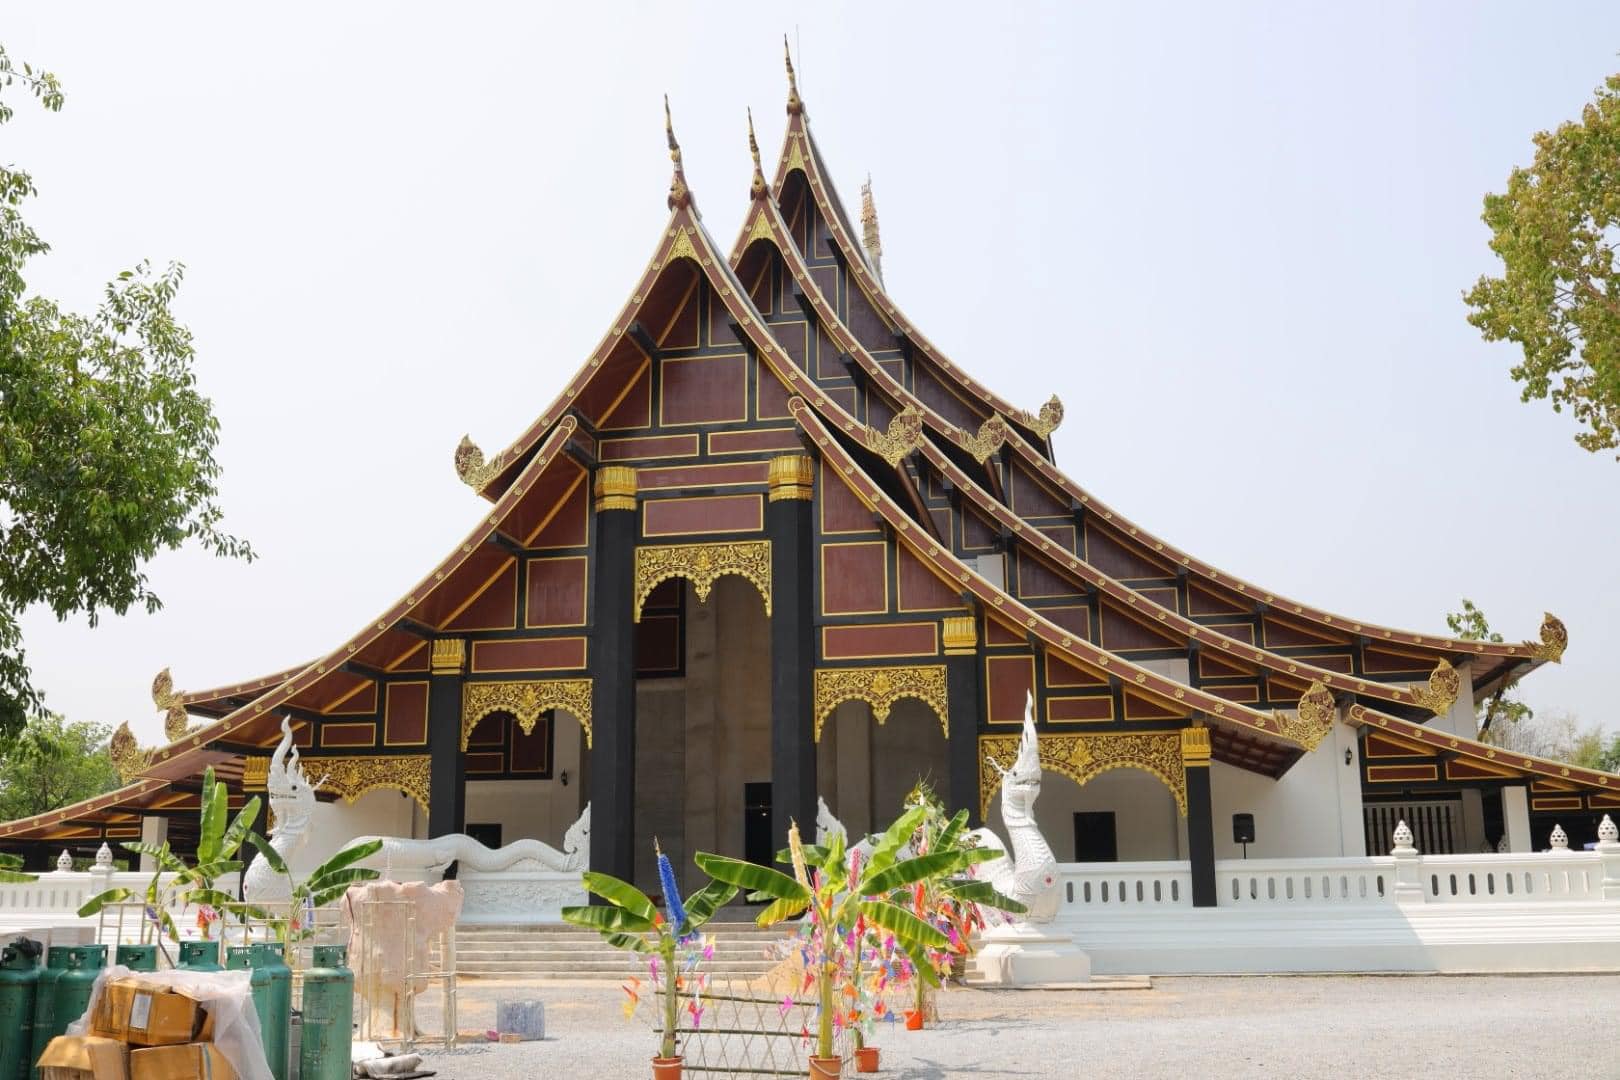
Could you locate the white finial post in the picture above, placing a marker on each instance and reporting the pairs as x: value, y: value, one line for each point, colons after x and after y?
x: 1408, y: 889
x: 64, y: 862
x: 1502, y: 845
x: 104, y: 857
x: 1403, y: 839
x: 1559, y: 841
x: 1608, y: 852
x: 1607, y: 832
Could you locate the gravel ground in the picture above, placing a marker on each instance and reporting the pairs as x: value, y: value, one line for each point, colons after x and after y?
x: 1298, y: 1027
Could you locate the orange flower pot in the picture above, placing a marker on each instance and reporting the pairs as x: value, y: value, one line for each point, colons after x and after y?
x: 866, y: 1059
x: 914, y: 1020
x: 825, y: 1068
x: 666, y: 1068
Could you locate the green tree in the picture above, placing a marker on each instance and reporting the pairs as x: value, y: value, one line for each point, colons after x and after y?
x: 1470, y: 624
x: 106, y: 446
x: 51, y: 763
x: 1558, y: 298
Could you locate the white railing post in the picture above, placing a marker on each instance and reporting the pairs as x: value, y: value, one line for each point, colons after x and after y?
x: 1408, y: 889
x: 102, y: 872
x: 1608, y: 849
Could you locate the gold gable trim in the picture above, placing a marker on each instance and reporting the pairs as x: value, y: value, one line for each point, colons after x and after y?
x: 352, y: 777
x: 1085, y: 757
x: 702, y: 565
x: 881, y: 687
x: 525, y: 699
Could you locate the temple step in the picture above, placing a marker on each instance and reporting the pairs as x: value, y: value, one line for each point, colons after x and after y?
x: 741, y: 951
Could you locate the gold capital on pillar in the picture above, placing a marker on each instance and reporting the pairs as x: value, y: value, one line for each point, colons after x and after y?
x: 1195, y: 748
x: 449, y: 656
x: 960, y: 634
x: 615, y: 488
x: 792, y: 477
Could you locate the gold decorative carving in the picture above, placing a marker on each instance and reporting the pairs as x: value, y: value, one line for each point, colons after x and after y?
x: 679, y: 194
x: 794, y: 105
x: 176, y: 724
x: 960, y: 634
x: 1048, y: 419
x: 702, y: 565
x: 1083, y: 757
x: 615, y: 488
x: 255, y: 773
x: 128, y: 758
x: 1195, y: 746
x: 449, y: 656
x: 1310, y: 723
x: 474, y: 471
x: 903, y: 435
x: 1554, y: 639
x: 525, y: 700
x: 1440, y: 694
x: 761, y: 229
x: 682, y: 247
x: 352, y: 777
x: 991, y: 437
x: 870, y: 238
x: 757, y: 188
x: 792, y: 476
x: 881, y: 687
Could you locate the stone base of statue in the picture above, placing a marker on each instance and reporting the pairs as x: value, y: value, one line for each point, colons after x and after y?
x: 1028, y: 954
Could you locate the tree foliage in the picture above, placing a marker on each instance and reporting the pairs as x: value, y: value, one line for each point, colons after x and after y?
x: 51, y: 763
x: 106, y: 445
x: 1470, y: 624
x: 1555, y: 230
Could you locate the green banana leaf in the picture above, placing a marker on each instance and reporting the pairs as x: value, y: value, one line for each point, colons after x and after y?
x: 94, y: 905
x: 632, y: 942
x: 271, y: 855
x: 907, y: 872
x: 779, y: 911
x: 701, y: 905
x: 214, y: 807
x: 607, y: 919
x: 347, y: 857
x: 946, y: 841
x: 905, y: 926
x: 621, y: 894
x: 335, y: 880
x: 814, y: 855
x: 160, y: 853
x: 751, y: 876
x: 984, y: 894
x: 236, y: 835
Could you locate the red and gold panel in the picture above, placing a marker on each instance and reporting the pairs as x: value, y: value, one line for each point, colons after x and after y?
x: 1032, y: 499
x: 1110, y: 555
x: 919, y: 588
x: 759, y: 291
x: 1008, y: 680
x: 347, y: 734
x: 755, y: 442
x: 1599, y: 800
x: 405, y: 714
x: 1076, y: 619
x: 634, y: 407
x: 1141, y: 708
x: 1064, y: 535
x: 645, y: 447
x: 940, y: 398
x: 1557, y: 802
x: 978, y: 534
x: 1284, y: 691
x: 704, y: 390
x: 1164, y: 596
x: 1280, y: 633
x: 491, y: 763
x: 1237, y: 631
x: 567, y: 523
x: 676, y: 321
x: 1468, y: 769
x: 795, y: 340
x: 773, y: 396
x: 1383, y: 745
x: 414, y: 659
x: 882, y: 640
x: 1060, y: 672
x: 855, y: 578
x: 997, y: 632
x: 557, y: 591
x: 1403, y: 774
x: 493, y: 606
x: 658, y: 644
x: 531, y: 753
x: 1203, y: 601
x: 1338, y: 662
x: 865, y: 323
x: 529, y: 654
x: 1384, y: 662
x: 703, y: 516
x: 1214, y: 665
x: 1240, y: 694
x: 841, y: 510
x: 1123, y: 631
x: 845, y: 396
x: 1080, y: 710
x: 732, y: 474
x: 489, y: 730
x: 1037, y: 580
x: 360, y: 700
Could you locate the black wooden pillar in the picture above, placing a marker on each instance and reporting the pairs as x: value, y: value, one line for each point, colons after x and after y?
x: 447, y: 784
x: 793, y: 646
x: 966, y: 706
x: 613, y: 675
x: 1200, y: 819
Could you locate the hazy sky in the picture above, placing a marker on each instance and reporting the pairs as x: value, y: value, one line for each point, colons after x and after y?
x: 1232, y: 237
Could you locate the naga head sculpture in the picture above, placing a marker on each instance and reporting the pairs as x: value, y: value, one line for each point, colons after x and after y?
x: 292, y: 796
x: 577, y: 840
x: 1021, y: 784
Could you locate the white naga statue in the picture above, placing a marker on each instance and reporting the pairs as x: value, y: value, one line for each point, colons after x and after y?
x: 1029, y: 874
x: 292, y: 800
x: 400, y: 854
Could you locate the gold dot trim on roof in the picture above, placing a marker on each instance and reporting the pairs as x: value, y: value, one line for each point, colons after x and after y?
x: 526, y: 700
x: 881, y: 687
x: 702, y: 565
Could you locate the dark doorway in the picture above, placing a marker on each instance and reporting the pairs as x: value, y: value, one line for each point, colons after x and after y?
x: 1094, y: 837
x: 757, y: 824
x: 488, y: 834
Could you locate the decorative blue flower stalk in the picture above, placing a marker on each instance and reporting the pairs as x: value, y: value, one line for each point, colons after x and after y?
x: 673, y: 908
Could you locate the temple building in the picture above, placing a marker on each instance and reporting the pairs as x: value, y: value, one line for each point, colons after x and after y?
x: 771, y: 544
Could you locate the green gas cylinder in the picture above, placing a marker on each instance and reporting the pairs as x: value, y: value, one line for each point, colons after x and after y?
x: 328, y: 1016
x: 73, y: 988
x: 241, y: 958
x: 271, y: 959
x: 200, y: 956
x: 56, y: 962
x: 137, y: 957
x: 19, y: 977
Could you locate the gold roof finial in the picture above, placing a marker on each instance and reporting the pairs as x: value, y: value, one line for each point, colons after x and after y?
x: 869, y: 228
x: 795, y: 106
x: 679, y: 194
x: 757, y: 188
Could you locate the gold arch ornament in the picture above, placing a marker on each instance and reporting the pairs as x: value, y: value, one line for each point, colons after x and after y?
x: 526, y: 700
x: 1082, y: 758
x: 352, y: 777
x: 1311, y: 721
x: 702, y: 565
x: 881, y: 687
x: 1440, y: 693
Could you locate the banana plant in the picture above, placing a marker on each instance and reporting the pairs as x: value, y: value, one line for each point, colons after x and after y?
x: 11, y: 871
x: 219, y: 839
x: 325, y: 884
x: 838, y: 890
x: 631, y: 921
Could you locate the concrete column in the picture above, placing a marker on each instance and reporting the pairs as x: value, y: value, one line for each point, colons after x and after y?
x: 613, y: 673
x: 154, y: 830
x: 1195, y: 755
x: 1516, y: 816
x: 700, y: 723
x: 1347, y: 774
x: 1473, y: 840
x: 793, y: 645
x: 447, y: 782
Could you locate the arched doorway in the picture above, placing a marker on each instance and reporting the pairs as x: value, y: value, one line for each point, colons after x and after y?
x: 866, y: 767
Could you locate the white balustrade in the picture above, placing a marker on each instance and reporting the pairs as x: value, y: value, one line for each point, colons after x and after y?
x: 1084, y: 886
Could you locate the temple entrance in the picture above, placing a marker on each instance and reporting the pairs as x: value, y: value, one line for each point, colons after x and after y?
x: 524, y: 785
x: 1120, y: 815
x: 865, y: 769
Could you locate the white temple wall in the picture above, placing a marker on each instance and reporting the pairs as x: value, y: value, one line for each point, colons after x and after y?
x: 334, y: 824
x: 1314, y: 810
x: 1147, y: 823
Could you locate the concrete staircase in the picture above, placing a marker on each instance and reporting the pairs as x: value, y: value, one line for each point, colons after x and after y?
x: 741, y: 951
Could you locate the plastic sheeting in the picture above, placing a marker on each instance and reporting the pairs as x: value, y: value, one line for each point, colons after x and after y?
x: 228, y: 997
x: 435, y: 907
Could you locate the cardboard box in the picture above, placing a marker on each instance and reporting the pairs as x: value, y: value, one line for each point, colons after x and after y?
x: 84, y: 1057
x: 144, y: 1013
x: 193, y: 1061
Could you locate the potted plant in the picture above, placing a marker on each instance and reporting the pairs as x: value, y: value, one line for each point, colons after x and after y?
x: 669, y: 939
x: 837, y: 891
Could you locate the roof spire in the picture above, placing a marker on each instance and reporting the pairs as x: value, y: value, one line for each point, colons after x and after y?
x: 794, y: 106
x: 679, y: 194
x: 756, y: 189
x: 869, y: 228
